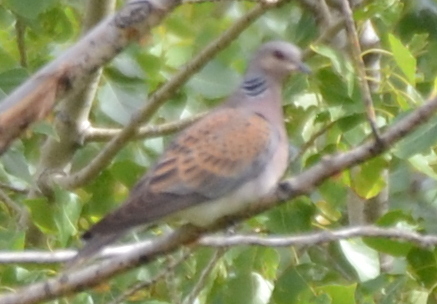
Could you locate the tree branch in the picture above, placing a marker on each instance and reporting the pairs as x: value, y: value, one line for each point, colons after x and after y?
x: 307, y: 239
x: 317, y: 238
x: 105, y: 134
x: 20, y: 28
x: 360, y: 67
x: 13, y: 188
x: 23, y: 214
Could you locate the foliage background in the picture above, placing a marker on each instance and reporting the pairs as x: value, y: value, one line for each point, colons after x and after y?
x: 324, y: 114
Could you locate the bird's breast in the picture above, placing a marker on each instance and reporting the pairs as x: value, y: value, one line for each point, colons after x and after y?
x: 249, y: 192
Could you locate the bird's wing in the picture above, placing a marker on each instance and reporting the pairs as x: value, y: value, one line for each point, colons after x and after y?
x: 208, y: 160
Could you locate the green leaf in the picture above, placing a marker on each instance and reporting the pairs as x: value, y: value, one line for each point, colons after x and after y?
x: 119, y: 103
x: 401, y: 101
x: 266, y: 262
x: 421, y: 140
x: 363, y: 259
x: 368, y: 179
x: 404, y: 59
x: 16, y: 164
x: 179, y: 26
x: 420, y: 297
x: 337, y: 58
x: 55, y: 22
x: 10, y: 79
x: 292, y: 217
x: 42, y: 214
x: 333, y: 192
x: 248, y: 287
x: 12, y: 240
x: 305, y: 101
x: 83, y: 298
x: 305, y: 31
x: 424, y: 265
x: 6, y: 19
x: 124, y: 69
x: 355, y: 136
x: 8, y: 63
x: 214, y: 81
x: 67, y: 216
x: 151, y: 65
x: 349, y: 122
x: 333, y: 89
x: 28, y: 8
x: 422, y: 164
x: 178, y: 55
x: 288, y: 286
x: 339, y: 294
x: 102, y: 190
x: 43, y: 127
x: 127, y: 172
x: 391, y: 247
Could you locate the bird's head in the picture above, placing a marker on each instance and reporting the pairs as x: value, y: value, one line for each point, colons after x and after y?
x: 279, y: 59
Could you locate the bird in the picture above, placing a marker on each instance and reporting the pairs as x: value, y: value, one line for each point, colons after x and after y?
x: 219, y: 165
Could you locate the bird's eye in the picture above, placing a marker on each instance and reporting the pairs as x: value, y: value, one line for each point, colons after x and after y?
x: 278, y: 55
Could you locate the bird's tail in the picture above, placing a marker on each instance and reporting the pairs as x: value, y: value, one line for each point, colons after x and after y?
x: 92, y: 246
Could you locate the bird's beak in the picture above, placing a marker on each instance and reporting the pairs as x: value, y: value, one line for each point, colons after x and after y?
x: 304, y: 68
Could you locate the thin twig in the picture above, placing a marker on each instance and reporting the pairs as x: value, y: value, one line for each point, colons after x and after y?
x: 20, y: 29
x: 360, y: 67
x: 13, y: 188
x: 105, y: 134
x: 171, y: 283
x: 23, y: 214
x: 314, y: 137
x: 201, y: 282
x: 142, y: 285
